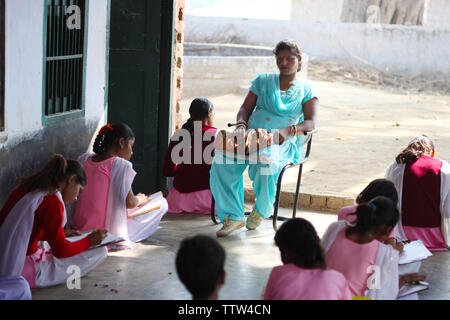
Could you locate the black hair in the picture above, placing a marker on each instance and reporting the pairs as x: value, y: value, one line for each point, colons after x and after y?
x: 299, y: 237
x: 416, y: 148
x: 54, y: 172
x: 109, y: 134
x: 200, y: 263
x: 76, y: 168
x: 380, y: 211
x: 378, y: 187
x: 290, y: 45
x: 198, y: 111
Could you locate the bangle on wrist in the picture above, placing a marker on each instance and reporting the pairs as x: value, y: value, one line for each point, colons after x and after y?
x: 293, y: 128
x: 242, y: 123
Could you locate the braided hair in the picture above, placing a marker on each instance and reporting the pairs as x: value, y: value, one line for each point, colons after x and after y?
x: 111, y: 133
x: 199, y: 109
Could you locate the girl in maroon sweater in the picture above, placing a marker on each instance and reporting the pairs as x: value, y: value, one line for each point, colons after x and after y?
x: 188, y: 160
x: 32, y: 224
x: 423, y: 186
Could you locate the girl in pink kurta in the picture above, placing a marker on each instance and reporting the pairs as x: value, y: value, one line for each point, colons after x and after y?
x: 342, y: 255
x: 378, y: 187
x: 370, y: 266
x: 108, y: 193
x: 304, y: 275
x: 423, y: 184
x: 91, y: 200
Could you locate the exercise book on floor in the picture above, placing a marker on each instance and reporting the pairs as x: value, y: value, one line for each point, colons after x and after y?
x: 410, y: 288
x: 110, y: 239
x: 414, y: 251
x: 154, y: 203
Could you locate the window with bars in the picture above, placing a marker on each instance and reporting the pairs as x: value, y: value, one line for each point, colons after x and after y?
x: 2, y: 65
x: 64, y: 60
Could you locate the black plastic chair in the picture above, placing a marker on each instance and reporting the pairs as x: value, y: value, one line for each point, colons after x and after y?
x: 275, y: 216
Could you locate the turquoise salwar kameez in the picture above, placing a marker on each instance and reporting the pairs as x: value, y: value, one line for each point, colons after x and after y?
x: 274, y: 110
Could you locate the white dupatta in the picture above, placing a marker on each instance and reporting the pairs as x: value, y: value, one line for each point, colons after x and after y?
x: 386, y: 261
x: 122, y: 176
x: 15, y: 233
x: 395, y: 174
x: 445, y: 202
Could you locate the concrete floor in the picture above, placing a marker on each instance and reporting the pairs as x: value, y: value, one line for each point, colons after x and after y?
x: 148, y: 270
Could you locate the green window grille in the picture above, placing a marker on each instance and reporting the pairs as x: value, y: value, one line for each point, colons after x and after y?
x: 64, y: 59
x: 2, y: 65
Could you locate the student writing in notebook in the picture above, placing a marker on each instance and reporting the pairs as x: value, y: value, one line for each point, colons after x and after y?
x: 200, y: 265
x: 35, y: 214
x: 358, y: 251
x: 191, y: 192
x: 304, y: 274
x: 377, y: 187
x: 108, y: 193
x: 423, y: 183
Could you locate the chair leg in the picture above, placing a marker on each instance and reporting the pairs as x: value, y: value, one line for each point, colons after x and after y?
x: 277, y: 200
x: 213, y: 210
x: 275, y: 210
x: 297, y: 190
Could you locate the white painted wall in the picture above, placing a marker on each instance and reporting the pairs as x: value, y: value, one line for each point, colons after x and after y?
x: 218, y: 75
x: 96, y: 60
x: 24, y: 67
x: 438, y: 14
x: 401, y: 50
x: 317, y: 10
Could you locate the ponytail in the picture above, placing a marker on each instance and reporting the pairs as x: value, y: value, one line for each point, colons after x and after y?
x: 378, y: 212
x: 49, y: 177
x: 364, y: 220
x: 189, y: 125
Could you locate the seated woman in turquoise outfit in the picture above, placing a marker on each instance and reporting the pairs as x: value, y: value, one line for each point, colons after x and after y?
x: 286, y: 107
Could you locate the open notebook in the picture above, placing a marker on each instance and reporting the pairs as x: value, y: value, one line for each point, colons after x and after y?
x: 110, y: 239
x: 154, y: 203
x: 410, y: 288
x: 414, y: 251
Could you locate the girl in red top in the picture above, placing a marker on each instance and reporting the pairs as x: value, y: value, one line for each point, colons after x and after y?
x: 32, y: 224
x: 188, y: 160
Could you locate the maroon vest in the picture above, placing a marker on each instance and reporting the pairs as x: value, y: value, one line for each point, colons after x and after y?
x: 422, y: 193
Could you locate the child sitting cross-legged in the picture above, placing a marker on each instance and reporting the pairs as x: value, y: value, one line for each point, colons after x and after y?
x: 108, y: 193
x: 358, y: 251
x: 377, y: 187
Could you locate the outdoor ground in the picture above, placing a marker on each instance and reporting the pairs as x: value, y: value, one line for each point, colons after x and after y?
x: 361, y: 130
